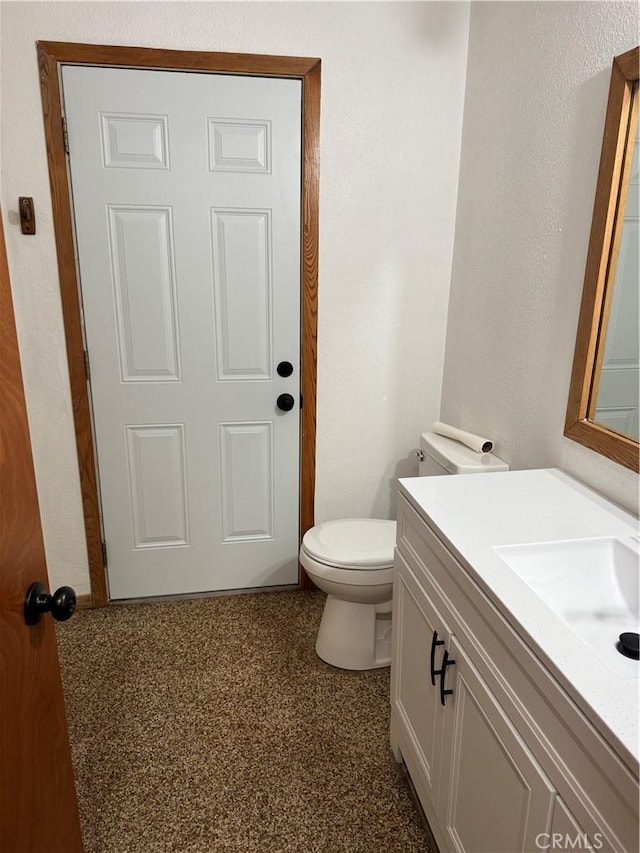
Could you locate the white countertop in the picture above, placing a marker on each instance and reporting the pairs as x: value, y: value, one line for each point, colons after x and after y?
x: 473, y: 513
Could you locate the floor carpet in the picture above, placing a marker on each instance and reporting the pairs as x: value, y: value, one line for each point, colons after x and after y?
x: 211, y: 725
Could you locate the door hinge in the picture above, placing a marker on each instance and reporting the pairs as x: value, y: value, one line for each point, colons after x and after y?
x: 87, y: 368
x: 65, y: 135
x: 300, y: 400
x: 104, y: 554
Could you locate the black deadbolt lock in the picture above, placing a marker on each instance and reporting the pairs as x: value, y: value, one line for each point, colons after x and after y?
x: 285, y: 368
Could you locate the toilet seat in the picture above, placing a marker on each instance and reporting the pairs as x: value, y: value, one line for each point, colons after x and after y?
x: 376, y: 576
x: 355, y: 544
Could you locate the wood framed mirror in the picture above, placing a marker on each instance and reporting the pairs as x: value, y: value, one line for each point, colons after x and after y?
x: 614, y: 434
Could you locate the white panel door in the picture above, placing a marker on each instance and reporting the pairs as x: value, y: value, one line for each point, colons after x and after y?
x: 186, y: 195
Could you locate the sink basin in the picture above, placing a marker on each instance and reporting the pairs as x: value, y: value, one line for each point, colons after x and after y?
x: 591, y: 584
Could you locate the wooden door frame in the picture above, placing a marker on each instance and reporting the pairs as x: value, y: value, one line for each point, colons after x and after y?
x: 51, y: 56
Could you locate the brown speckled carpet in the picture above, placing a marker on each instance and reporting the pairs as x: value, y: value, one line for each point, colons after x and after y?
x: 211, y: 725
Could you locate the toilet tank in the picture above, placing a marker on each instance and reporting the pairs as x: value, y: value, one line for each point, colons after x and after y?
x: 442, y: 455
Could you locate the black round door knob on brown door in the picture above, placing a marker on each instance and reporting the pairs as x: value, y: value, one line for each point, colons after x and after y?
x: 285, y: 402
x: 61, y: 605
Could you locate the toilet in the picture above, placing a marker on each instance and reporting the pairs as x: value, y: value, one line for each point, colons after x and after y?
x: 351, y: 560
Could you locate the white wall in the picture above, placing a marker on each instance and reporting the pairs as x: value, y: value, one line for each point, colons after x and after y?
x: 392, y: 93
x: 537, y: 82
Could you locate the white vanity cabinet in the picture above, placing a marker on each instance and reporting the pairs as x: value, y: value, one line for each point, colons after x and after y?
x: 487, y: 791
x: 418, y: 629
x: 494, y: 794
x: 499, y: 756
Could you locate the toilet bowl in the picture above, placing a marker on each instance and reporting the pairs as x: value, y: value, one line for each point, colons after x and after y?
x: 351, y: 559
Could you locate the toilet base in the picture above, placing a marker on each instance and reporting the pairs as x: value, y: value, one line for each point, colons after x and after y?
x: 353, y: 635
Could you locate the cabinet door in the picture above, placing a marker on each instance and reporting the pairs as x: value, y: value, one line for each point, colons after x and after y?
x: 414, y: 698
x: 495, y: 798
x: 567, y: 834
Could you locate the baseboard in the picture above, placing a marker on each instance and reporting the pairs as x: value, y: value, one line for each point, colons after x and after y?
x: 83, y: 602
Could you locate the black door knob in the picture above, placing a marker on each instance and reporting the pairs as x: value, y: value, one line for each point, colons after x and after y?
x: 61, y: 605
x: 285, y: 402
x: 629, y: 645
x: 285, y: 368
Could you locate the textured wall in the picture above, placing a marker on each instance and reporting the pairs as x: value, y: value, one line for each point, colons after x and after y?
x: 392, y: 95
x: 537, y: 83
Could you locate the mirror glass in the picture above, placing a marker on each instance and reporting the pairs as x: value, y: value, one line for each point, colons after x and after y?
x: 602, y: 410
x: 617, y: 379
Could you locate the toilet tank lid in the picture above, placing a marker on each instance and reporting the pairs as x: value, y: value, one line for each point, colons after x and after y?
x: 457, y: 458
x: 365, y: 543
